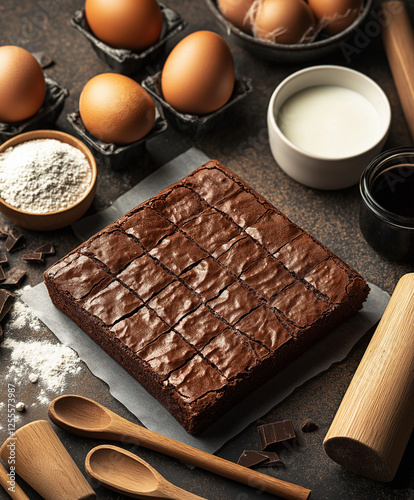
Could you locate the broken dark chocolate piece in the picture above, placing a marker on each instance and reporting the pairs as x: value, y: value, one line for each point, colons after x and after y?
x: 3, y: 259
x: 276, y: 432
x: 6, y: 301
x: 36, y: 257
x: 2, y: 275
x: 14, y: 240
x: 273, y: 459
x: 253, y: 458
x: 14, y: 278
x: 46, y: 249
x: 309, y: 426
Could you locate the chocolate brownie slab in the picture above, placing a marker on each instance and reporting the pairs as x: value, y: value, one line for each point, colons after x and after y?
x: 203, y: 292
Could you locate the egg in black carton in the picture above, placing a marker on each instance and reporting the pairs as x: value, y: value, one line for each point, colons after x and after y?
x: 45, y: 117
x: 126, y: 61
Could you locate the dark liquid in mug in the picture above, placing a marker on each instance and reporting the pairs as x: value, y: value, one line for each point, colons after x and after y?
x: 394, y: 190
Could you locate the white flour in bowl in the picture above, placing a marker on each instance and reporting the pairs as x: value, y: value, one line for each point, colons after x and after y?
x: 43, y: 175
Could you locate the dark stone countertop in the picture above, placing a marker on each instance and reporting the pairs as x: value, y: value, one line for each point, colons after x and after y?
x: 239, y: 142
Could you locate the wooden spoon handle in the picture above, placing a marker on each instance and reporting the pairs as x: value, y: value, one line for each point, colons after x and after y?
x: 375, y: 419
x: 212, y: 463
x: 176, y: 493
x: 398, y: 40
x: 12, y: 488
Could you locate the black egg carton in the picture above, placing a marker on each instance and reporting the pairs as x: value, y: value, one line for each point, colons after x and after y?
x: 195, y: 125
x: 125, y: 61
x: 46, y: 116
x: 113, y: 155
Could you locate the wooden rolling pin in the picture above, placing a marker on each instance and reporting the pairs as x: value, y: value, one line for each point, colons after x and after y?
x: 375, y: 419
x: 398, y: 40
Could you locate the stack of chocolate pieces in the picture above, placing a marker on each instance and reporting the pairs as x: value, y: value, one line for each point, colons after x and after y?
x: 38, y: 255
x: 6, y: 302
x: 271, y: 436
x: 13, y: 242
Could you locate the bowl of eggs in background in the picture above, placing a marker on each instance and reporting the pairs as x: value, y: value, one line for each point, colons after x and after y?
x: 326, y: 123
x: 290, y: 30
x: 61, y: 216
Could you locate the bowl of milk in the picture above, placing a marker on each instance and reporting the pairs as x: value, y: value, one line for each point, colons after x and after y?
x: 326, y: 123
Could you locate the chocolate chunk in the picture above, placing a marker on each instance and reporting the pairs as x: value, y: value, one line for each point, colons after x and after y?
x: 3, y: 259
x: 309, y: 426
x: 276, y: 432
x: 6, y: 301
x: 14, y: 240
x: 14, y: 278
x: 253, y: 458
x: 46, y: 249
x: 36, y: 257
x: 2, y: 275
x: 273, y: 459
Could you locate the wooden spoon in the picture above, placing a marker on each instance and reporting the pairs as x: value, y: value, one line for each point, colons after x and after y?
x: 13, y: 490
x: 123, y: 472
x: 85, y: 417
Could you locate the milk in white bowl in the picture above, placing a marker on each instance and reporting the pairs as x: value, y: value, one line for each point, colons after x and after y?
x: 326, y: 123
x: 330, y: 121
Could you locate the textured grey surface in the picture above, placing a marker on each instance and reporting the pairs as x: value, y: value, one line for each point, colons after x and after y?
x: 239, y: 142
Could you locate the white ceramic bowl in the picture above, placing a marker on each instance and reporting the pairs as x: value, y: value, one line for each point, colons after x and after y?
x: 321, y: 171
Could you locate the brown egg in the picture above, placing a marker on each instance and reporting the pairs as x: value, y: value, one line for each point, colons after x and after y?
x: 284, y: 21
x: 198, y: 75
x: 125, y: 24
x: 116, y: 109
x: 336, y: 15
x: 237, y: 12
x: 22, y: 84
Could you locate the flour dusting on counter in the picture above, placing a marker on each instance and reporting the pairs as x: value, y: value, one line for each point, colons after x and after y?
x: 21, y: 316
x: 52, y: 362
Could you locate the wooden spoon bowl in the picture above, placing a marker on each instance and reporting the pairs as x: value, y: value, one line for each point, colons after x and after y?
x: 123, y: 472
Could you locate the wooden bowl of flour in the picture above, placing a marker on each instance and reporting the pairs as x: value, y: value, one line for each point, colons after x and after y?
x: 77, y: 187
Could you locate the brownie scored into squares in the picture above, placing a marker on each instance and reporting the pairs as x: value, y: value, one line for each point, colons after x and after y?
x: 203, y: 292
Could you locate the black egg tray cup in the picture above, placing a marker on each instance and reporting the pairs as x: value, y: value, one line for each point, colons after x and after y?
x: 112, y: 155
x: 128, y: 62
x: 46, y: 116
x: 195, y: 125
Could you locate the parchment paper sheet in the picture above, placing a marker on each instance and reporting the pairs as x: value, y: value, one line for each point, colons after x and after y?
x: 129, y: 392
